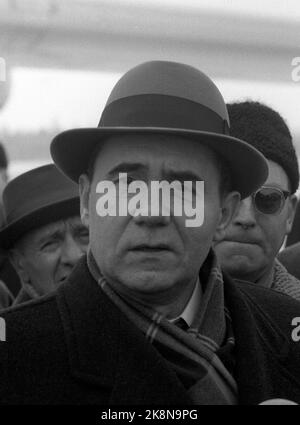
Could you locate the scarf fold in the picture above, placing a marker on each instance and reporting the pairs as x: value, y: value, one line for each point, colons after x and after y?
x: 192, y: 354
x: 284, y: 282
x: 26, y: 293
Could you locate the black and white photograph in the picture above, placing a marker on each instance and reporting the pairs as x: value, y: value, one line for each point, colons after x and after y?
x: 149, y: 206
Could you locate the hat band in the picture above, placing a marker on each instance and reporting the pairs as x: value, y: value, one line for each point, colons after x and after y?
x: 154, y: 110
x: 37, y: 199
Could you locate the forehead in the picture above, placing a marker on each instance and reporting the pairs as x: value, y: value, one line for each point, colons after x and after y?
x: 151, y: 149
x: 48, y: 230
x: 277, y: 176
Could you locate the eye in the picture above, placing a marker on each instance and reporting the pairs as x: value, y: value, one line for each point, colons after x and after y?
x: 124, y: 180
x: 50, y: 245
x: 83, y: 236
x: 190, y: 187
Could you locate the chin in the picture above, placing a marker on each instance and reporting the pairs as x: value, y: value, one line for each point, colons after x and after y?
x: 148, y: 281
x: 242, y: 272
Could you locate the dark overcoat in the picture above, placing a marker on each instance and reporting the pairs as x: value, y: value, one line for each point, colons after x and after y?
x: 76, y: 347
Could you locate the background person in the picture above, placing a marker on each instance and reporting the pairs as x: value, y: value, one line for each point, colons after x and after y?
x: 290, y: 257
x: 252, y: 241
x: 43, y: 231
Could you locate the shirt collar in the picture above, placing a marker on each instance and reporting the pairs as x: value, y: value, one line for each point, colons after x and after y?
x: 192, y: 306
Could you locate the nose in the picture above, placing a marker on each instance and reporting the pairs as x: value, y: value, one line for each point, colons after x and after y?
x: 153, y: 215
x: 72, y: 251
x: 245, y: 216
x: 152, y: 221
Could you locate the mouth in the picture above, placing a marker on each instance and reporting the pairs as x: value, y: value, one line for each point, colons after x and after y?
x: 240, y: 245
x: 151, y: 248
x: 246, y: 241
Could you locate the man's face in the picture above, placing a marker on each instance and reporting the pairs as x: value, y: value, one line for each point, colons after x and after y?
x: 148, y: 255
x: 46, y: 256
x: 253, y: 239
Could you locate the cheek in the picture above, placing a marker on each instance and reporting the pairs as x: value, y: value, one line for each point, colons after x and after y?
x: 44, y: 264
x: 211, y: 214
x: 106, y: 234
x: 273, y: 230
x: 198, y: 240
x: 198, y: 235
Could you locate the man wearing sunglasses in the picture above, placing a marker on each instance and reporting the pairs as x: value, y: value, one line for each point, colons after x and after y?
x: 252, y: 241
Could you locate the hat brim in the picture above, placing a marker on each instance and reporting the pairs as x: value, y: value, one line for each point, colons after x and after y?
x: 71, y: 151
x: 38, y: 218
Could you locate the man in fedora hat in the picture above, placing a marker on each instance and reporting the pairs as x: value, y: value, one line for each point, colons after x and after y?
x: 43, y: 232
x: 147, y: 317
x: 253, y: 239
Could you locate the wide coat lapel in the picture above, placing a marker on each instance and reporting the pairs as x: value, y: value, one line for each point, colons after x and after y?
x: 106, y: 350
x: 265, y: 366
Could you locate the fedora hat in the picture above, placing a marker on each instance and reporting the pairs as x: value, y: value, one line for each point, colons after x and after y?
x: 35, y: 198
x: 167, y: 98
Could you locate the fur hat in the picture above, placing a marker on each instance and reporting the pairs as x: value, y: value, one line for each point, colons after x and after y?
x: 265, y: 130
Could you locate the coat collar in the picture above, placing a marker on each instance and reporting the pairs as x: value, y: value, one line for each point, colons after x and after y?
x: 98, y: 335
x: 107, y: 350
x: 262, y: 350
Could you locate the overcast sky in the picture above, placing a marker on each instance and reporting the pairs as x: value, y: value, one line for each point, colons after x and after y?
x: 42, y: 98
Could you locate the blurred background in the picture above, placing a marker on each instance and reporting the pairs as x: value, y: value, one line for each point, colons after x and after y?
x: 62, y: 58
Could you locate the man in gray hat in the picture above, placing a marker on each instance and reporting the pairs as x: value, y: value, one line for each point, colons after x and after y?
x: 43, y: 232
x: 253, y: 239
x: 148, y: 317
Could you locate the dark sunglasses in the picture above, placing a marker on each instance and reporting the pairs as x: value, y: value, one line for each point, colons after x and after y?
x: 269, y: 200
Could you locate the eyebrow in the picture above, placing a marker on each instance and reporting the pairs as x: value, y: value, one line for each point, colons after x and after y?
x: 126, y: 167
x: 182, y: 175
x: 55, y: 234
x: 77, y: 227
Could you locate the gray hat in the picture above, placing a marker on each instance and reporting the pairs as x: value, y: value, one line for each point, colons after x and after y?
x: 165, y: 98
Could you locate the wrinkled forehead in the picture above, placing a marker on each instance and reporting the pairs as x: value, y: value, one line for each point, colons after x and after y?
x: 152, y: 150
x: 63, y: 224
x: 59, y: 227
x: 277, y: 176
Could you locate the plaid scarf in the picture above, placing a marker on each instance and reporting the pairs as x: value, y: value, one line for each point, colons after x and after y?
x: 284, y: 282
x: 192, y: 353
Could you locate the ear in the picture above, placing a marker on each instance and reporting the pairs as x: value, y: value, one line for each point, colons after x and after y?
x: 292, y: 204
x: 229, y: 207
x: 84, y: 193
x: 18, y: 260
